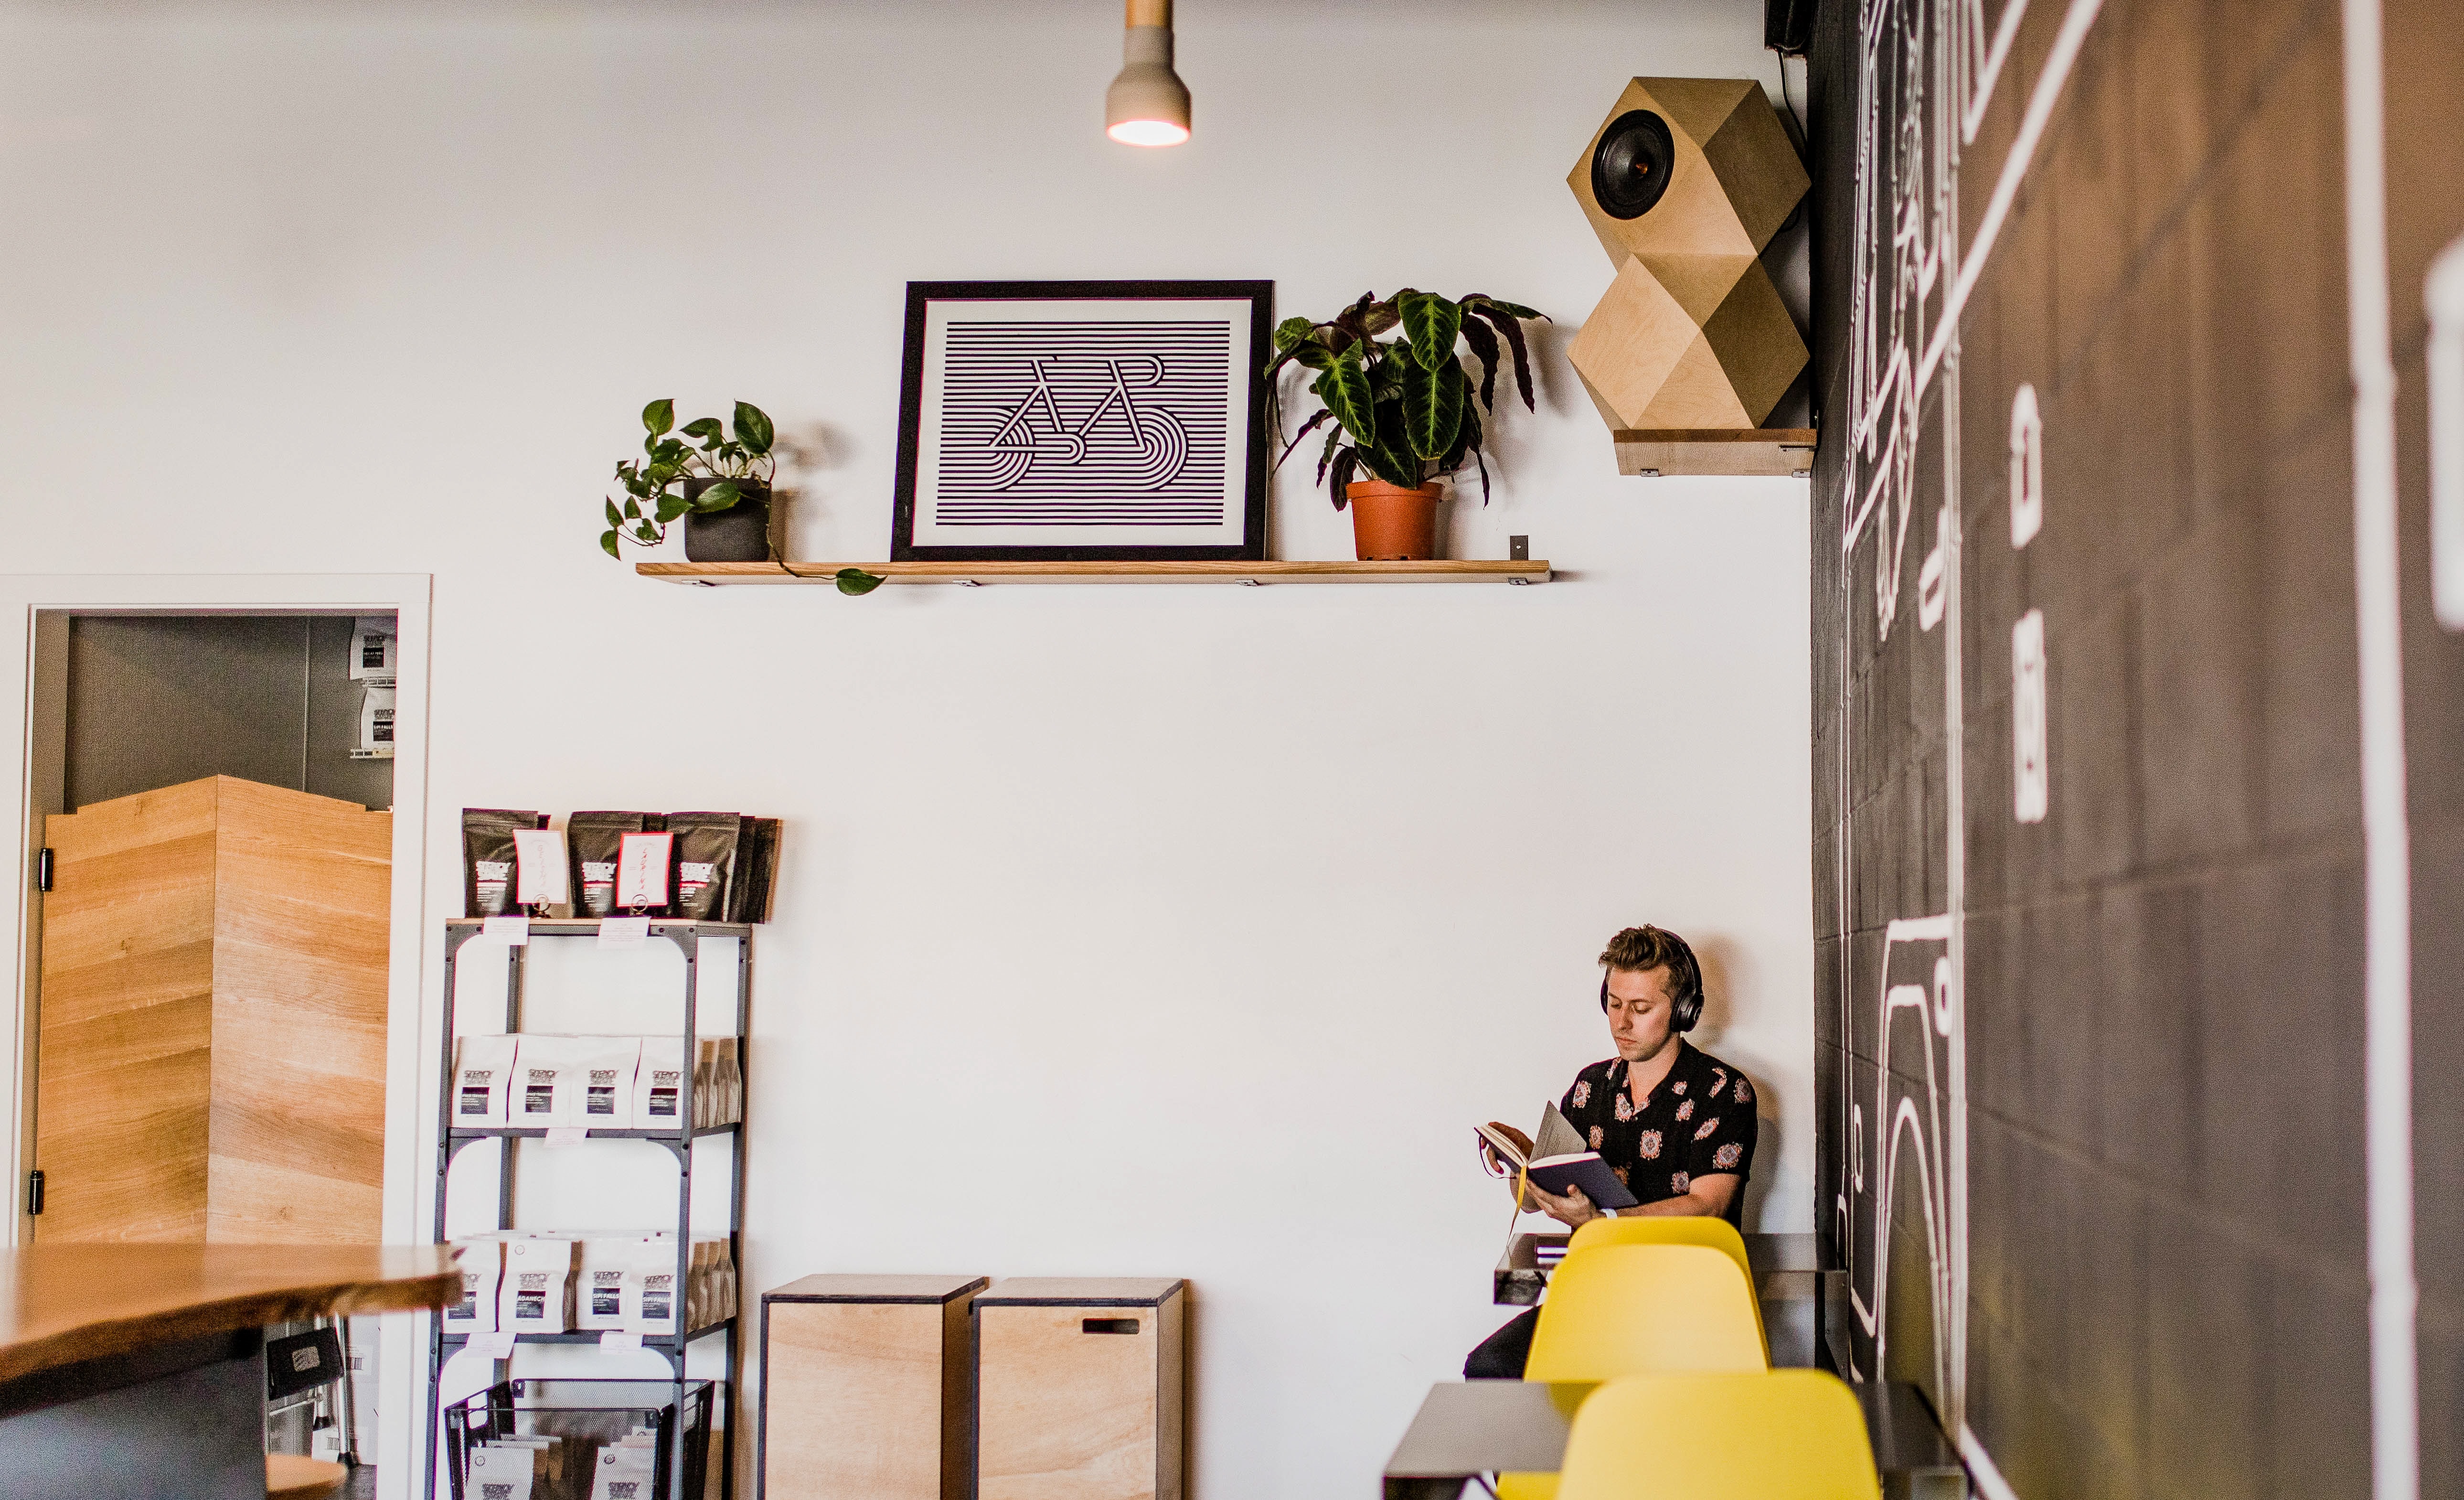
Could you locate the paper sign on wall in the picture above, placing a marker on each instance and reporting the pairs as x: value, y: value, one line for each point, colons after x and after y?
x: 642, y: 870
x: 2032, y: 780
x: 541, y: 877
x: 372, y: 649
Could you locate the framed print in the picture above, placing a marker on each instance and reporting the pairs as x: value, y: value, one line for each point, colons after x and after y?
x: 1083, y: 421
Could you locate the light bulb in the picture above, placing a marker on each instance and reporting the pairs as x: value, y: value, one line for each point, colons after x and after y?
x: 1147, y: 104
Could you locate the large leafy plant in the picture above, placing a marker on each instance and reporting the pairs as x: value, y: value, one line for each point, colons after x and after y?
x: 1404, y: 409
x: 654, y: 483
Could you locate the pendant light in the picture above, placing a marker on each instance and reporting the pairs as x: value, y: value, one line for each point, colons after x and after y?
x: 1147, y: 104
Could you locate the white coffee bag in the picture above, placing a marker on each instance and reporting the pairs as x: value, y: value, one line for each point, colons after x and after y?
x: 483, y: 1080
x: 654, y: 1302
x: 658, y: 1083
x: 608, y: 1065
x: 536, y: 1295
x: 626, y: 1470
x: 482, y: 1264
x: 553, y: 1079
x: 500, y: 1472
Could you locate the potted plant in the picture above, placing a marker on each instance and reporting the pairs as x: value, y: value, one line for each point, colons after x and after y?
x: 717, y: 483
x: 1405, y: 410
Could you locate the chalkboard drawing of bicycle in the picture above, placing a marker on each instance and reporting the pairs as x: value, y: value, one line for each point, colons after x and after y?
x: 1161, y: 444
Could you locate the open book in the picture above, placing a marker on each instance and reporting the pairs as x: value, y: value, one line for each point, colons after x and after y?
x: 1558, y: 1162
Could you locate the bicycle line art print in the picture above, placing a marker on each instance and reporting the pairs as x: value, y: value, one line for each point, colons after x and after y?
x: 1084, y: 422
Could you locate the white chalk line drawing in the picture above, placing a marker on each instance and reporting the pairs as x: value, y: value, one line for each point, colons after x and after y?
x: 2032, y: 778
x: 1910, y: 282
x: 2027, y: 466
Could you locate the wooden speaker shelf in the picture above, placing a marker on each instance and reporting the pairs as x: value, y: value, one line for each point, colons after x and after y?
x: 1773, y: 452
x: 1445, y: 570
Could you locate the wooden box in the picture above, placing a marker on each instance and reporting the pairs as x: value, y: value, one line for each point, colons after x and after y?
x: 864, y: 1383
x: 211, y: 1058
x: 1079, y: 1389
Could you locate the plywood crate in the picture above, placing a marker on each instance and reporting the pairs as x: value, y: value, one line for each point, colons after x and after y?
x: 1079, y: 1389
x: 864, y: 1387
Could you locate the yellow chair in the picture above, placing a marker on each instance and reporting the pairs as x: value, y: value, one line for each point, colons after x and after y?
x: 1780, y: 1435
x: 1618, y: 1309
x: 1717, y: 1234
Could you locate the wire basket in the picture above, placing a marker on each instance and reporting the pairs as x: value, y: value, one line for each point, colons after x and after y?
x: 577, y: 1418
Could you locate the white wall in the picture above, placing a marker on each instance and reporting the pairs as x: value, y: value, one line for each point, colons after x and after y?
x: 1161, y: 931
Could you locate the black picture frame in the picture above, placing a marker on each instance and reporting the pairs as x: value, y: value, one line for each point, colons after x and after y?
x: 921, y: 295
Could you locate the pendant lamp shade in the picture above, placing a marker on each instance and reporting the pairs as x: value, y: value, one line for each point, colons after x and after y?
x: 1147, y: 104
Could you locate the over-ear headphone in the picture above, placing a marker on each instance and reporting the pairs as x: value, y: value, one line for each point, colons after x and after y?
x: 1685, y: 973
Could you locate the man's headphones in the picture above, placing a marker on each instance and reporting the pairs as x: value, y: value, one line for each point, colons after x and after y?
x: 1686, y: 973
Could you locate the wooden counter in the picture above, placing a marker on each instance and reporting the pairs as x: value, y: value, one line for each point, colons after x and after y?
x: 70, y: 1303
x: 138, y: 1371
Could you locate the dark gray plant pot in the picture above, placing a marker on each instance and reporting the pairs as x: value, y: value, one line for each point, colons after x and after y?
x: 737, y: 534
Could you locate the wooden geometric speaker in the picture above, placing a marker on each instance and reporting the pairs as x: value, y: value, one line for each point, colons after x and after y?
x: 1685, y: 183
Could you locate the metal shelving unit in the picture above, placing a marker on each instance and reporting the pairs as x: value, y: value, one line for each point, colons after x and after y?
x: 452, y: 1140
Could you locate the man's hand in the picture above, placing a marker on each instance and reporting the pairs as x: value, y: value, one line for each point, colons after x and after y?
x: 1574, y: 1210
x: 1488, y: 1157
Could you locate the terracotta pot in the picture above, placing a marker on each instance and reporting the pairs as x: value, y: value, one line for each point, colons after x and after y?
x: 1391, y: 523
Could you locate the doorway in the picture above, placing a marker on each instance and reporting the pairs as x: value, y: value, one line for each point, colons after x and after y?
x: 290, y: 692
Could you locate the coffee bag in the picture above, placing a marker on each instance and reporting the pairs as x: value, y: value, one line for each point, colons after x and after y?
x: 594, y: 840
x: 483, y: 1080
x: 482, y: 1264
x: 488, y: 860
x: 757, y: 871
x: 537, y: 1295
x: 658, y: 1083
x: 625, y: 1471
x: 551, y: 1080
x: 500, y: 1471
x: 611, y: 1274
x: 608, y: 1065
x: 707, y: 848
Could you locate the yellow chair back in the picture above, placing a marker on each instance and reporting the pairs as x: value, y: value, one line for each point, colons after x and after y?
x: 1717, y: 1234
x: 1779, y: 1435
x: 1643, y: 1309
x: 1621, y: 1310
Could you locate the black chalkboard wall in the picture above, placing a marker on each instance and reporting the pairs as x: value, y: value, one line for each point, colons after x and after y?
x: 2105, y: 1199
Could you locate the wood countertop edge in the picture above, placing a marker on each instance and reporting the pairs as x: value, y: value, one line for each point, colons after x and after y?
x: 108, y: 1338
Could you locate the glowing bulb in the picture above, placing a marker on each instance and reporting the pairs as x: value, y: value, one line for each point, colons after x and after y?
x: 1149, y: 132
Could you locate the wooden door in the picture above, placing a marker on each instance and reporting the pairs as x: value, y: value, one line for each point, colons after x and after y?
x: 126, y: 1035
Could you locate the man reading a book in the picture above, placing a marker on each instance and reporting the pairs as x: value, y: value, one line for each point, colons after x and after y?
x: 1674, y: 1124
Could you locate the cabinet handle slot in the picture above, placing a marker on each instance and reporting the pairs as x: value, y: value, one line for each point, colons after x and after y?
x: 1108, y: 1324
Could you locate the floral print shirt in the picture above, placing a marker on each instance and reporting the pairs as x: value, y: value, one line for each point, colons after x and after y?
x: 1699, y: 1122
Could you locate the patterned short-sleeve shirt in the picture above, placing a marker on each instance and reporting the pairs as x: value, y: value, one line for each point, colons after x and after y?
x: 1699, y: 1122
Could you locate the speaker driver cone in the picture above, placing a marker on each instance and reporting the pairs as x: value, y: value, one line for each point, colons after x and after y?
x: 1631, y: 167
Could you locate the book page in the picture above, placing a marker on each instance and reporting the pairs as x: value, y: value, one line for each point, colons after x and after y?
x: 1556, y: 1137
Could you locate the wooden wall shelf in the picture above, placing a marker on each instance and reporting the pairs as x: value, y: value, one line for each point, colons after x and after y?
x: 1484, y: 570
x: 1771, y: 451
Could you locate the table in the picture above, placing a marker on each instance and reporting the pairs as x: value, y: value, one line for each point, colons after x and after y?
x: 136, y: 1372
x: 1467, y: 1427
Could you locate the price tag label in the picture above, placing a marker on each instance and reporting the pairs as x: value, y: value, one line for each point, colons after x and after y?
x: 559, y: 1135
x: 541, y: 877
x: 642, y: 869
x: 512, y: 931
x: 624, y: 931
x: 617, y: 1338
x: 491, y: 1346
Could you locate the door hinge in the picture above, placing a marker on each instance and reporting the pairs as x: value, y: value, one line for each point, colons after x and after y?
x: 35, y: 1191
x: 43, y: 870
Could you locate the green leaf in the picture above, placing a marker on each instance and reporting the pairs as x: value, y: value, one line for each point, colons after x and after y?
x: 607, y: 541
x: 855, y: 582
x: 1432, y: 407
x: 613, y: 517
x: 1348, y: 396
x: 705, y: 431
x: 1432, y: 324
x: 1312, y: 355
x: 661, y: 474
x: 647, y: 534
x: 1326, y: 454
x: 1290, y: 332
x: 633, y: 512
x: 670, y: 506
x: 718, y: 497
x: 659, y: 415
x: 753, y: 427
